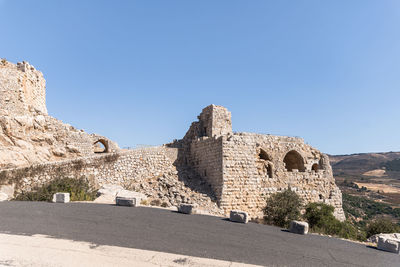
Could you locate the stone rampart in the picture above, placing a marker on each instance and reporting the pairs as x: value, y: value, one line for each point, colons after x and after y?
x: 122, y: 168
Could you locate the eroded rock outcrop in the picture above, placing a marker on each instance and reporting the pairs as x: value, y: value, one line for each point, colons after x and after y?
x: 28, y: 134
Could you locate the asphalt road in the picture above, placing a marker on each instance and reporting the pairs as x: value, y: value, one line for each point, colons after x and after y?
x: 192, y: 235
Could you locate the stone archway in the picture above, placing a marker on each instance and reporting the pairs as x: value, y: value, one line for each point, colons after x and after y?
x: 100, y: 146
x: 294, y: 161
x: 265, y: 164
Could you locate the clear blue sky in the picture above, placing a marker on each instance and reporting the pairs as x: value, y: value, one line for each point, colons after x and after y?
x: 140, y: 72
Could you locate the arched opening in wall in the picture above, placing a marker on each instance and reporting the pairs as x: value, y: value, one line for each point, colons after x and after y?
x: 315, y: 167
x: 294, y: 161
x: 263, y: 155
x: 100, y: 146
x: 270, y: 170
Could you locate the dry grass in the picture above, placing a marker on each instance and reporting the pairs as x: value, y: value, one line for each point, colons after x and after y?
x: 384, y: 188
x: 375, y: 173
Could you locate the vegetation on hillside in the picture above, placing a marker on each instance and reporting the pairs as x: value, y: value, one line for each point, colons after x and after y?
x: 366, y: 209
x: 362, y: 215
x: 393, y: 165
x: 79, y: 190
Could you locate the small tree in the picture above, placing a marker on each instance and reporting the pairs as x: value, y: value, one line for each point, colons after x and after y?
x: 282, y: 208
x: 319, y: 214
x: 381, y: 226
x: 321, y: 220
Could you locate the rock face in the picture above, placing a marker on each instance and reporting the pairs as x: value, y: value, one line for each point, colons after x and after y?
x: 28, y: 134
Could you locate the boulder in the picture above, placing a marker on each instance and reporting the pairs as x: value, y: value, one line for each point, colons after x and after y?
x: 374, y: 238
x: 108, y: 193
x: 129, y: 194
x: 127, y: 201
x: 298, y: 227
x: 187, y: 208
x: 61, y: 198
x: 390, y: 245
x: 109, y: 189
x: 6, y: 192
x: 239, y: 216
x: 3, y: 197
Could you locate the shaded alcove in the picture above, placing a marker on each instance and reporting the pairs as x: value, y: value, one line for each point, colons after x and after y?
x: 293, y: 160
x: 100, y: 146
x: 315, y: 167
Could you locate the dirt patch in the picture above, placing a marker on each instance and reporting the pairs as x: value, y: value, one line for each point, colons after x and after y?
x: 384, y: 188
x: 375, y: 173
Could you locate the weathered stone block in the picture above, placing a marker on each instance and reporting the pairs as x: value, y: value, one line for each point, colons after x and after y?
x: 61, y: 198
x: 239, y: 216
x: 298, y: 227
x: 127, y: 201
x: 390, y: 245
x: 187, y: 208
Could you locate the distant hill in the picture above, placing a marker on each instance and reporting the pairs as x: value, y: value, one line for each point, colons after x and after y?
x: 360, y: 164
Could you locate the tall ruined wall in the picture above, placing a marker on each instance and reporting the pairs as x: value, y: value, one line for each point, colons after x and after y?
x: 244, y: 169
x: 22, y: 88
x: 206, y: 160
x: 27, y: 134
x: 256, y: 166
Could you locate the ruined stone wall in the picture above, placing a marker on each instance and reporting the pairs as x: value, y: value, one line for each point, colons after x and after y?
x: 22, y: 89
x: 121, y: 168
x: 254, y: 167
x: 206, y: 160
x: 27, y: 134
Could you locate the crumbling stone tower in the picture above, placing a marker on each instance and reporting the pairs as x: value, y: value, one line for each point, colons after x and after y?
x: 243, y: 169
x: 22, y: 88
x: 27, y: 133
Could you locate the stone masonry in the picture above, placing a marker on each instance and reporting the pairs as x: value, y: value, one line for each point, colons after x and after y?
x: 28, y: 135
x: 211, y: 166
x: 244, y: 169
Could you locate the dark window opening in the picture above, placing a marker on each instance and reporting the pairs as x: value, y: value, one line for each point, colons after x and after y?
x: 315, y: 167
x: 294, y: 161
x: 263, y: 155
x: 270, y: 170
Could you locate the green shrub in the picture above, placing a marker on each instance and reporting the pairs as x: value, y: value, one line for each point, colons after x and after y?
x: 282, y: 208
x: 321, y: 220
x: 381, y: 226
x: 319, y: 214
x: 79, y: 190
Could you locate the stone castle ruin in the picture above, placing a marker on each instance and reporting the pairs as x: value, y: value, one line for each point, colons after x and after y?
x: 28, y: 134
x: 211, y: 165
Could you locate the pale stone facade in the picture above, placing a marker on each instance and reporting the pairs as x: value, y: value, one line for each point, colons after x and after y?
x: 211, y: 165
x: 245, y: 168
